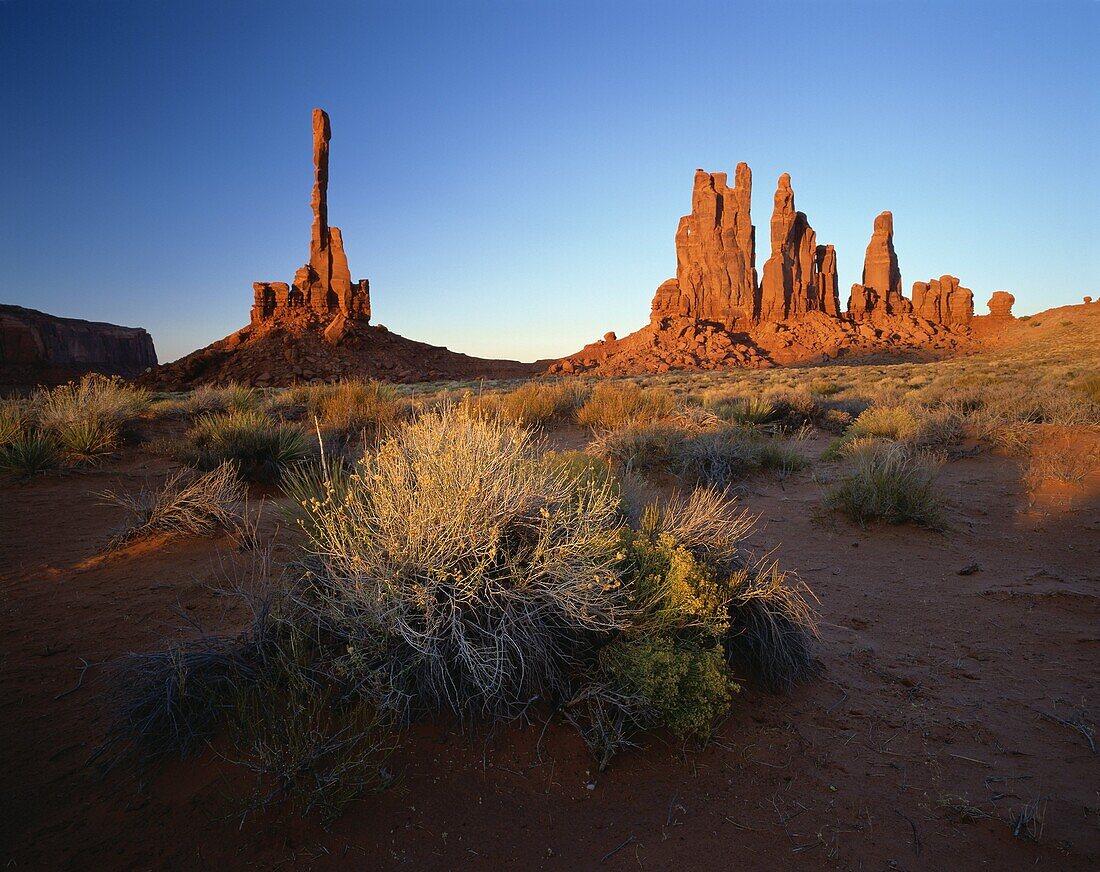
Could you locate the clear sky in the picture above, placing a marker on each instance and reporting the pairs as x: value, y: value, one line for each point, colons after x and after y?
x: 509, y: 175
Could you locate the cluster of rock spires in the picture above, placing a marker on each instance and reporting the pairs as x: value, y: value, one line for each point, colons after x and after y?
x: 716, y: 313
x: 318, y: 327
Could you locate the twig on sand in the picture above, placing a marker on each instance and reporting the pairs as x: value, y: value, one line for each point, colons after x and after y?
x: 1080, y: 726
x: 615, y: 851
x: 971, y: 759
x: 80, y: 682
x: 1029, y: 822
x: 913, y: 826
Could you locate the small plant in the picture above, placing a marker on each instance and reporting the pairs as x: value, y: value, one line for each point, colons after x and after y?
x: 260, y: 447
x: 29, y: 453
x: 13, y: 419
x: 750, y: 410
x: 617, y: 404
x: 187, y: 504
x: 348, y: 408
x: 87, y: 440
x: 890, y: 483
x: 95, y: 397
x: 643, y: 447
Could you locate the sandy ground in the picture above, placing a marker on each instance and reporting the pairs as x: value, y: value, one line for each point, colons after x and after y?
x: 945, y: 706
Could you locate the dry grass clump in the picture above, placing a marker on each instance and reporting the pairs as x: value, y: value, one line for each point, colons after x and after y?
x: 86, y: 418
x: 348, y: 408
x: 259, y: 446
x: 890, y: 482
x: 186, y: 504
x: 642, y: 447
x: 617, y: 404
x: 538, y: 402
x: 1065, y: 462
x: 720, y: 457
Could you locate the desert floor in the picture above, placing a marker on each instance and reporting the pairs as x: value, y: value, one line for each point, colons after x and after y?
x: 949, y: 727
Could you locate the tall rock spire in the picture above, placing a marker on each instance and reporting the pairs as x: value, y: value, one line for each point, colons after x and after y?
x: 880, y: 292
x: 715, y: 254
x: 828, y: 290
x: 323, y: 285
x: 789, y: 287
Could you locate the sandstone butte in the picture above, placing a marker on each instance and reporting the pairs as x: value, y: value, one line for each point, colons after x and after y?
x: 715, y: 314
x: 317, y: 327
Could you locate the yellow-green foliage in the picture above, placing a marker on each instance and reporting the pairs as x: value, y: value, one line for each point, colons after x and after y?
x: 616, y: 404
x: 672, y: 656
x: 13, y: 418
x: 894, y: 423
x: 349, y: 407
x: 260, y: 446
x: 686, y: 686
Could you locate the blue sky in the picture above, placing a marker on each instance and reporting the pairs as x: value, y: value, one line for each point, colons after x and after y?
x: 509, y: 175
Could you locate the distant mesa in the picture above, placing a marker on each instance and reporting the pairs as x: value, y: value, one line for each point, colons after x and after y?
x: 317, y: 327
x: 717, y: 312
x: 41, y: 349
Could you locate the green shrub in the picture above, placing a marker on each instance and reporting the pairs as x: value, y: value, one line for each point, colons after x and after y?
x: 259, y: 446
x: 617, y: 404
x: 233, y: 396
x: 890, y: 483
x: 13, y: 419
x: 86, y: 440
x: 686, y: 687
x: 721, y: 457
x: 750, y: 410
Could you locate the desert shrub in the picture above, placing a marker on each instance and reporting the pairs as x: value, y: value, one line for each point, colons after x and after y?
x: 644, y: 447
x: 86, y: 440
x: 233, y: 396
x: 895, y: 423
x: 481, y: 565
x: 617, y: 404
x: 542, y: 402
x: 891, y: 483
x: 750, y: 410
x: 348, y: 408
x: 260, y: 446
x: 30, y: 452
x: 686, y: 687
x: 1065, y: 462
x: 186, y: 504
x: 771, y: 627
x: 720, y: 457
x: 86, y: 417
x: 286, y: 715
x: 95, y: 397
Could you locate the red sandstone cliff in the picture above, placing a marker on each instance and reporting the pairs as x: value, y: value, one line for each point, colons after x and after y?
x: 36, y: 348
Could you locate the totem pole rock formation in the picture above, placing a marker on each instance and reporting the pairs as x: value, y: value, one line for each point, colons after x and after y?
x: 943, y: 301
x: 880, y: 292
x: 1000, y: 305
x: 322, y: 287
x: 715, y: 254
